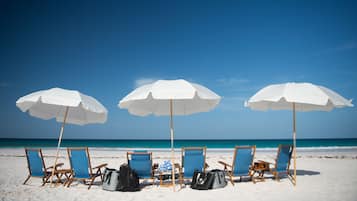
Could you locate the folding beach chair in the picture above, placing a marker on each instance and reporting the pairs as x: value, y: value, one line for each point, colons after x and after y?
x: 81, y: 166
x: 242, y: 162
x: 282, y: 161
x: 192, y: 159
x: 141, y: 163
x: 36, y: 166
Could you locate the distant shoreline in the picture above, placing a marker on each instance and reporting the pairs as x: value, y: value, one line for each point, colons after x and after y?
x: 164, y: 153
x: 299, y: 149
x: 331, y: 143
x: 209, y: 139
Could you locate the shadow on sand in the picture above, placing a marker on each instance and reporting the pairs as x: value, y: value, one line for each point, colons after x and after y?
x: 268, y: 175
x: 305, y: 172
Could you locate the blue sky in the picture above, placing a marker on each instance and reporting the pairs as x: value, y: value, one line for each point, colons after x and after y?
x: 107, y: 48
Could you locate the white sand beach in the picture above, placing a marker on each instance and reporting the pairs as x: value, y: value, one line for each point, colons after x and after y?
x: 327, y: 175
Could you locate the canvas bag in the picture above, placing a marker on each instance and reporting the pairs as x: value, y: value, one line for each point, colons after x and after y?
x: 111, y: 179
x: 219, y: 180
x: 211, y: 180
x: 200, y: 181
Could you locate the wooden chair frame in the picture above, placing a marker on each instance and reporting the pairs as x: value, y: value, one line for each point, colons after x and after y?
x: 183, y: 149
x: 274, y: 172
x: 92, y: 175
x: 230, y: 168
x: 47, y: 171
x: 128, y: 157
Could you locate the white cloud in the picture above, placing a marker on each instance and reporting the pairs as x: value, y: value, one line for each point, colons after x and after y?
x: 148, y: 80
x: 232, y: 86
x: 232, y: 104
x: 142, y: 81
x: 232, y: 81
x: 346, y: 46
x: 350, y: 45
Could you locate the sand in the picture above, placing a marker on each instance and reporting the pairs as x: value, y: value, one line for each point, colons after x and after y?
x: 322, y: 175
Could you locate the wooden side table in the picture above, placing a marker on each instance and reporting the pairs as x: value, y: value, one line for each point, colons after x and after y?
x: 168, y: 173
x: 259, y: 168
x: 63, y: 172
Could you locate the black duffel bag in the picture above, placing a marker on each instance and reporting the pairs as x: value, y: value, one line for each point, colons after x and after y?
x: 128, y: 179
x: 210, y: 180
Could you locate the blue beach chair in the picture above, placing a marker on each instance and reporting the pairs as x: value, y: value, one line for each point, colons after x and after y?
x: 141, y: 163
x: 192, y: 159
x: 81, y: 166
x: 242, y: 163
x: 282, y: 161
x: 36, y: 166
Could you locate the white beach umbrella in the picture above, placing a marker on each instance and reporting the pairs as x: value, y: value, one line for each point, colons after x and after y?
x: 67, y: 106
x: 296, y: 97
x: 170, y: 97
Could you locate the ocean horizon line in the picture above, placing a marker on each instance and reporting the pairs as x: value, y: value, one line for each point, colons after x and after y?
x: 193, y: 139
x: 165, y: 143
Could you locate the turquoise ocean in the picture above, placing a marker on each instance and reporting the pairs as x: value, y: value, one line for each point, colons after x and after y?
x: 178, y: 143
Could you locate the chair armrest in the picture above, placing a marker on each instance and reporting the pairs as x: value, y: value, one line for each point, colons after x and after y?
x: 264, y: 161
x: 206, y: 166
x: 225, y: 164
x: 177, y: 165
x: 263, y: 164
x: 155, y: 166
x: 57, y: 165
x: 100, y: 166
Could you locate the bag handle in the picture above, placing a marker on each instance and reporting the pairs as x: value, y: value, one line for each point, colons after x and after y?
x: 108, y: 176
x: 219, y: 177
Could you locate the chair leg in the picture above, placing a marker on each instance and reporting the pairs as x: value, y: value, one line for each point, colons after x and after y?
x: 91, y: 182
x: 99, y: 173
x: 181, y: 179
x: 28, y: 177
x: 70, y: 182
x: 102, y: 176
x: 58, y: 178
x: 45, y: 179
x: 291, y: 178
x: 68, y: 177
x: 231, y: 178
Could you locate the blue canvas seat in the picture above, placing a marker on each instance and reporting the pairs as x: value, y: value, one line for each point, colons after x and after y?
x: 282, y: 161
x: 192, y: 159
x: 37, y: 167
x: 140, y: 161
x: 242, y: 163
x: 81, y: 166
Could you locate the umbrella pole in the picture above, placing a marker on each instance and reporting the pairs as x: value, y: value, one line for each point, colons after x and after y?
x: 294, y: 137
x: 59, y: 143
x: 172, y: 145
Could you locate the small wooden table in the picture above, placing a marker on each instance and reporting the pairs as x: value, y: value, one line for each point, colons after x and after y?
x: 168, y: 173
x: 259, y: 167
x: 63, y: 172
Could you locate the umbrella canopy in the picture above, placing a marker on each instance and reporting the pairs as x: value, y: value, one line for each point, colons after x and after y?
x: 170, y: 97
x: 66, y: 106
x: 52, y: 103
x: 306, y: 96
x: 297, y: 97
x: 187, y: 98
